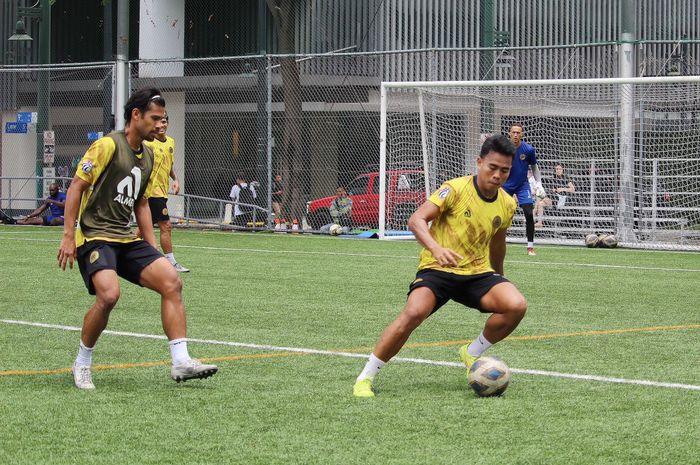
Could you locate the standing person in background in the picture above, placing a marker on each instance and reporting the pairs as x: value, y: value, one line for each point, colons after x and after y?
x: 114, y: 181
x: 517, y: 183
x: 277, y: 195
x: 163, y: 147
x: 243, y: 197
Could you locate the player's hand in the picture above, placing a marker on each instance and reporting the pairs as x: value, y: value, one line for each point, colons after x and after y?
x: 447, y: 257
x: 176, y: 187
x: 66, y: 253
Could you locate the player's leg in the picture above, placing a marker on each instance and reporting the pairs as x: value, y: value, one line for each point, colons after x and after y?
x: 160, y: 215
x: 34, y: 221
x: 525, y: 201
x: 420, y: 304
x: 507, y: 307
x: 160, y: 276
x: 529, y: 227
x: 105, y: 285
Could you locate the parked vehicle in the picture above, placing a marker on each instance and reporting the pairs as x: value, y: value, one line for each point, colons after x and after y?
x: 405, y: 192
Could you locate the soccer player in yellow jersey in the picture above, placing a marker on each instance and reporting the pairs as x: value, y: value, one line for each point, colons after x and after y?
x: 462, y: 260
x: 163, y: 147
x: 113, y: 180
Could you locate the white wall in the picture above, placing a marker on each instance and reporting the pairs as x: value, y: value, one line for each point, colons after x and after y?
x: 175, y: 106
x: 18, y: 160
x: 161, y: 35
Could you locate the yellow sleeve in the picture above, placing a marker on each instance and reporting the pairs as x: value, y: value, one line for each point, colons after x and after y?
x: 509, y: 211
x: 96, y: 159
x: 442, y: 197
x: 152, y: 180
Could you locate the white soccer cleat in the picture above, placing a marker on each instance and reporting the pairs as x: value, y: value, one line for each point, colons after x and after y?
x: 192, y: 369
x: 181, y: 269
x: 82, y: 377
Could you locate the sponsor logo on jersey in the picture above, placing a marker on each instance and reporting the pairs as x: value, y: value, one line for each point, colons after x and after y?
x: 468, y: 213
x: 497, y: 222
x: 87, y: 166
x: 522, y: 156
x: 94, y: 255
x: 443, y: 193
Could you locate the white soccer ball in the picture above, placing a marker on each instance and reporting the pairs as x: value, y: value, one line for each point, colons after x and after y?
x: 335, y: 229
x: 592, y: 240
x: 489, y: 376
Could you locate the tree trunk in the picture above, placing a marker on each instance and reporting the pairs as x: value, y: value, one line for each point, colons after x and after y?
x: 293, y: 157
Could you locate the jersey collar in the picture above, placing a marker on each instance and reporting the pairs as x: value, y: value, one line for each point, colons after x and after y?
x: 482, y: 196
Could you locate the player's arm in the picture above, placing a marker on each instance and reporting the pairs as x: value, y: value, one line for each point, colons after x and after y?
x: 419, y: 222
x: 58, y: 203
x: 176, y: 182
x: 497, y: 251
x: 536, y: 172
x: 142, y: 212
x: 66, y: 251
x: 39, y: 210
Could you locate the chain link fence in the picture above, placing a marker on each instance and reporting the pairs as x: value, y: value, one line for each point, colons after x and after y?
x: 312, y: 119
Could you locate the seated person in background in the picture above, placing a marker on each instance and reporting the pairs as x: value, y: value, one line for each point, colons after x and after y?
x: 562, y: 186
x: 243, y: 197
x: 55, y: 202
x: 540, y: 196
x: 341, y: 211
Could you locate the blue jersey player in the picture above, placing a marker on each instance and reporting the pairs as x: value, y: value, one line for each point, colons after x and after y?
x: 517, y: 183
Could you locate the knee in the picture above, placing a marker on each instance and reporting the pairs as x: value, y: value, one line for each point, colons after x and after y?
x: 412, y: 317
x: 106, y: 300
x: 171, y: 286
x: 516, y: 307
x: 165, y: 226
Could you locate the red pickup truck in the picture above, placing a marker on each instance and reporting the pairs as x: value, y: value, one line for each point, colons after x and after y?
x: 405, y: 192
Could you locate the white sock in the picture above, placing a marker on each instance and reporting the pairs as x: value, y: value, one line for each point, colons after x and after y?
x: 84, y: 358
x: 478, y: 346
x: 171, y: 258
x: 178, y: 351
x: 530, y: 244
x: 372, y: 367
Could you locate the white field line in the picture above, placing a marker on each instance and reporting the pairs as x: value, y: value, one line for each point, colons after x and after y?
x: 407, y: 257
x: 554, y: 374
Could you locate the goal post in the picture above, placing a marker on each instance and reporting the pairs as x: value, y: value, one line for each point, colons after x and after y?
x: 629, y: 146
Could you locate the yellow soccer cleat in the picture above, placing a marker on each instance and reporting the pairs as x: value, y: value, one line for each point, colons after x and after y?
x: 363, y: 388
x: 466, y: 358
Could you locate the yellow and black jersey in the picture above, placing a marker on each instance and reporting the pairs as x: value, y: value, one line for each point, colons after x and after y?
x: 118, y: 177
x: 466, y: 224
x: 164, y: 158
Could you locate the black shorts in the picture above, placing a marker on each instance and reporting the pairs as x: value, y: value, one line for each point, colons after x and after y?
x: 127, y: 259
x: 466, y: 290
x: 159, y: 209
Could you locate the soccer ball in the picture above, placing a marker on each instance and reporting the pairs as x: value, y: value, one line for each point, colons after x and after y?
x: 607, y: 241
x: 489, y: 376
x: 592, y: 240
x: 335, y: 229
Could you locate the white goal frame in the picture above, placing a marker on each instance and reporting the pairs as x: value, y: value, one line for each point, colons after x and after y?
x: 626, y: 149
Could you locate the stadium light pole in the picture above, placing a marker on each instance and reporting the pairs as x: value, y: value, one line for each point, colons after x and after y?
x: 42, y: 11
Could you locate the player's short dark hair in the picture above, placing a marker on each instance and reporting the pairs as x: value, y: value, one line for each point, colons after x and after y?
x: 518, y: 124
x: 141, y: 99
x: 499, y: 144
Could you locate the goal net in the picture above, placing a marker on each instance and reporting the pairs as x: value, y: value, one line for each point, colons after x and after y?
x: 629, y: 147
